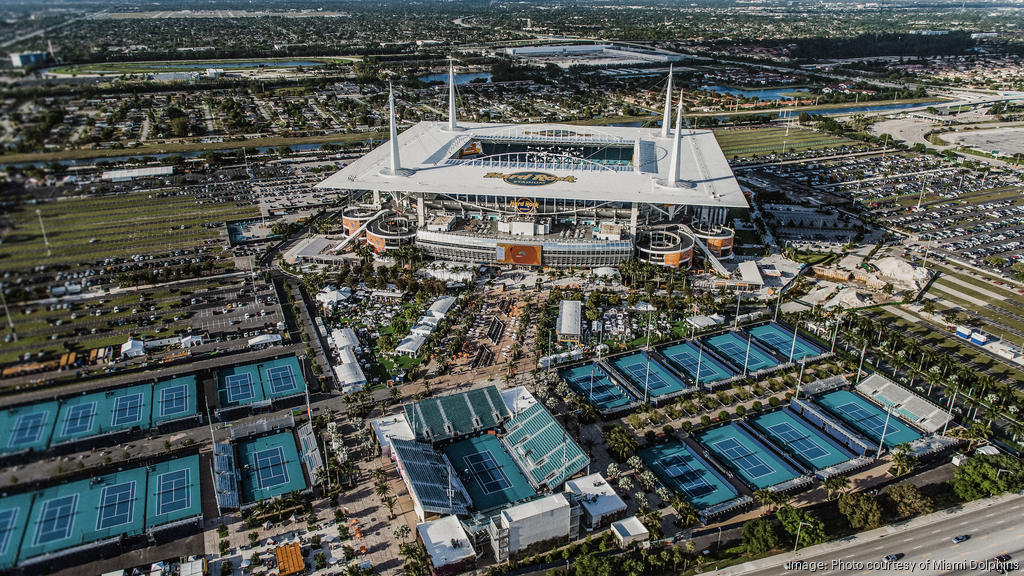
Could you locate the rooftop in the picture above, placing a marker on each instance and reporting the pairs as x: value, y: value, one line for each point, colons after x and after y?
x: 569, y: 313
x: 440, y: 538
x: 599, y: 498
x: 535, y: 507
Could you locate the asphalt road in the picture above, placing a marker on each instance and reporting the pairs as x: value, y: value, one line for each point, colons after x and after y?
x: 926, y: 549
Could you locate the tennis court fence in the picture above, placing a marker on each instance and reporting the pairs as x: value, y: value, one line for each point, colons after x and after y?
x: 260, y: 426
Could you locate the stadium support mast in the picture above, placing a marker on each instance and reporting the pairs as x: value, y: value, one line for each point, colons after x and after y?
x: 396, y: 161
x: 667, y: 120
x: 452, y: 121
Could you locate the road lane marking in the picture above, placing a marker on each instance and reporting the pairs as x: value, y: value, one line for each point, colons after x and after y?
x: 992, y: 514
x: 916, y: 547
x: 1001, y: 521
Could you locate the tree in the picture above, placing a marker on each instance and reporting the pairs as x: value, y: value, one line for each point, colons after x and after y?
x: 909, y: 501
x: 835, y: 483
x: 382, y: 489
x: 981, y: 476
x: 861, y: 511
x: 902, y: 460
x: 402, y: 531
x: 619, y: 441
x: 759, y: 536
x: 811, y: 532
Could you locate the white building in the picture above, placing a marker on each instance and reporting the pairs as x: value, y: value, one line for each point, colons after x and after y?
x: 447, y: 544
x: 385, y: 429
x: 540, y: 520
x: 601, y: 505
x: 629, y: 530
x: 568, y: 324
x: 350, y: 376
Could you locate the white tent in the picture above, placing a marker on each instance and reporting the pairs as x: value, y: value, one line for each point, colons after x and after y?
x: 133, y: 348
x: 264, y: 340
x: 190, y: 341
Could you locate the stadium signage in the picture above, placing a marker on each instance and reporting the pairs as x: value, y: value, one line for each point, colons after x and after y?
x: 524, y: 205
x: 530, y: 178
x: 558, y: 134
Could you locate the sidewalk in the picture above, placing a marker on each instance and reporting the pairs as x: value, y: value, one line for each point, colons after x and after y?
x: 781, y: 559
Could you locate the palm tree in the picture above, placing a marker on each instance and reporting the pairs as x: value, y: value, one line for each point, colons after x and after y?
x: 684, y: 510
x: 835, y: 484
x: 978, y: 432
x: 390, y: 502
x: 379, y: 475
x: 382, y: 489
x: 619, y: 441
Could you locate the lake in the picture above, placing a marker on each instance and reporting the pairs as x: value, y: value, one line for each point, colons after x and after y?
x: 459, y: 78
x: 765, y: 94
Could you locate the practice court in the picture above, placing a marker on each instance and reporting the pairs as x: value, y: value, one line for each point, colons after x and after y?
x: 270, y: 467
x: 735, y: 348
x: 488, y: 472
x: 687, y: 473
x: 745, y: 456
x: 810, y: 447
x: 648, y: 374
x: 592, y: 382
x: 781, y: 340
x: 27, y: 427
x: 867, y: 418
x: 685, y: 357
x: 252, y: 383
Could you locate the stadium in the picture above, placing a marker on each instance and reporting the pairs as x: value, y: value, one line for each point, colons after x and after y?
x: 546, y: 194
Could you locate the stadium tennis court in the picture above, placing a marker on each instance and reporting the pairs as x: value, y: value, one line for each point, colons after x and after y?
x: 781, y: 340
x: 591, y: 381
x: 488, y: 472
x: 641, y: 372
x: 734, y: 347
x: 683, y: 471
x: 811, y: 448
x: 866, y: 417
x: 685, y: 357
x: 746, y: 456
x: 271, y: 467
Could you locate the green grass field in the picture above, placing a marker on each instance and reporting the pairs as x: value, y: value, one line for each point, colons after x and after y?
x: 744, y: 141
x: 121, y: 226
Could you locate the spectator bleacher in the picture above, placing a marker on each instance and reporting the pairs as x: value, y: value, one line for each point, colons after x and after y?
x: 542, y: 449
x: 224, y: 474
x: 430, y: 475
x: 911, y: 407
x: 446, y: 417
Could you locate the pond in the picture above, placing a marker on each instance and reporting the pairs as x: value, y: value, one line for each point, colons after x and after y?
x: 763, y: 94
x: 459, y: 78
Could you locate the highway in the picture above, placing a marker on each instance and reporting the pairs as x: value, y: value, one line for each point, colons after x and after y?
x: 924, y: 546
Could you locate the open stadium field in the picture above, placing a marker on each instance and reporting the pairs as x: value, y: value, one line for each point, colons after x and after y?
x: 746, y: 141
x: 648, y: 374
x: 741, y: 352
x: 591, y: 381
x: 122, y: 225
x: 688, y: 473
x: 687, y: 355
x: 488, y: 472
x: 781, y: 340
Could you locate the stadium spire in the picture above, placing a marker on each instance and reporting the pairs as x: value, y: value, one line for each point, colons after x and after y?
x: 667, y: 120
x: 674, y: 180
x: 452, y: 121
x: 396, y: 160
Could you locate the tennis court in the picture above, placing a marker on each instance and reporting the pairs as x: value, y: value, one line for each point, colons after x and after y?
x: 173, y: 491
x: 102, y: 412
x: 745, y: 456
x: 281, y: 377
x: 239, y: 385
x: 734, y: 347
x: 174, y: 399
x: 781, y: 340
x: 683, y: 471
x: 685, y: 357
x: 85, y: 511
x: 592, y: 382
x: 643, y: 373
x: 270, y: 467
x: 488, y: 472
x: 810, y: 447
x: 14, y: 514
x: 27, y: 427
x: 866, y: 418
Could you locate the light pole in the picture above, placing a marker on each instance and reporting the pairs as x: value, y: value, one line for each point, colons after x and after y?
x: 885, y: 428
x: 1001, y: 470
x: 39, y: 213
x: 3, y: 298
x: 949, y: 414
x: 719, y: 539
x: 797, y: 543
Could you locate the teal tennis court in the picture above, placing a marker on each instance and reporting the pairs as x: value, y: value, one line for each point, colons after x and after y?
x: 239, y: 385
x: 810, y: 447
x: 488, y: 472
x: 685, y: 472
x: 173, y: 491
x: 102, y: 412
x: 745, y: 456
x: 14, y: 514
x: 270, y: 467
x: 591, y: 381
x: 281, y: 377
x: 734, y: 347
x: 174, y: 399
x: 685, y: 357
x: 781, y: 340
x: 646, y: 373
x: 867, y: 418
x: 27, y: 427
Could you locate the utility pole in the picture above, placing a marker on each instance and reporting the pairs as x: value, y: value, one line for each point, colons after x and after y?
x: 885, y: 428
x: 797, y: 543
x: 39, y: 213
x: 3, y: 298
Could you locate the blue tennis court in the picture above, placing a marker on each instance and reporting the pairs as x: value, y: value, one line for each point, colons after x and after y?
x: 173, y: 491
x: 117, y: 506
x: 683, y: 471
x: 14, y: 513
x: 591, y: 381
x: 128, y: 409
x: 646, y: 373
x: 810, y: 447
x: 27, y: 427
x: 239, y: 387
x: 271, y: 467
x: 781, y: 340
x: 746, y: 456
x: 685, y: 357
x: 867, y: 418
x: 281, y: 377
x: 734, y: 347
x: 174, y: 399
x: 487, y: 472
